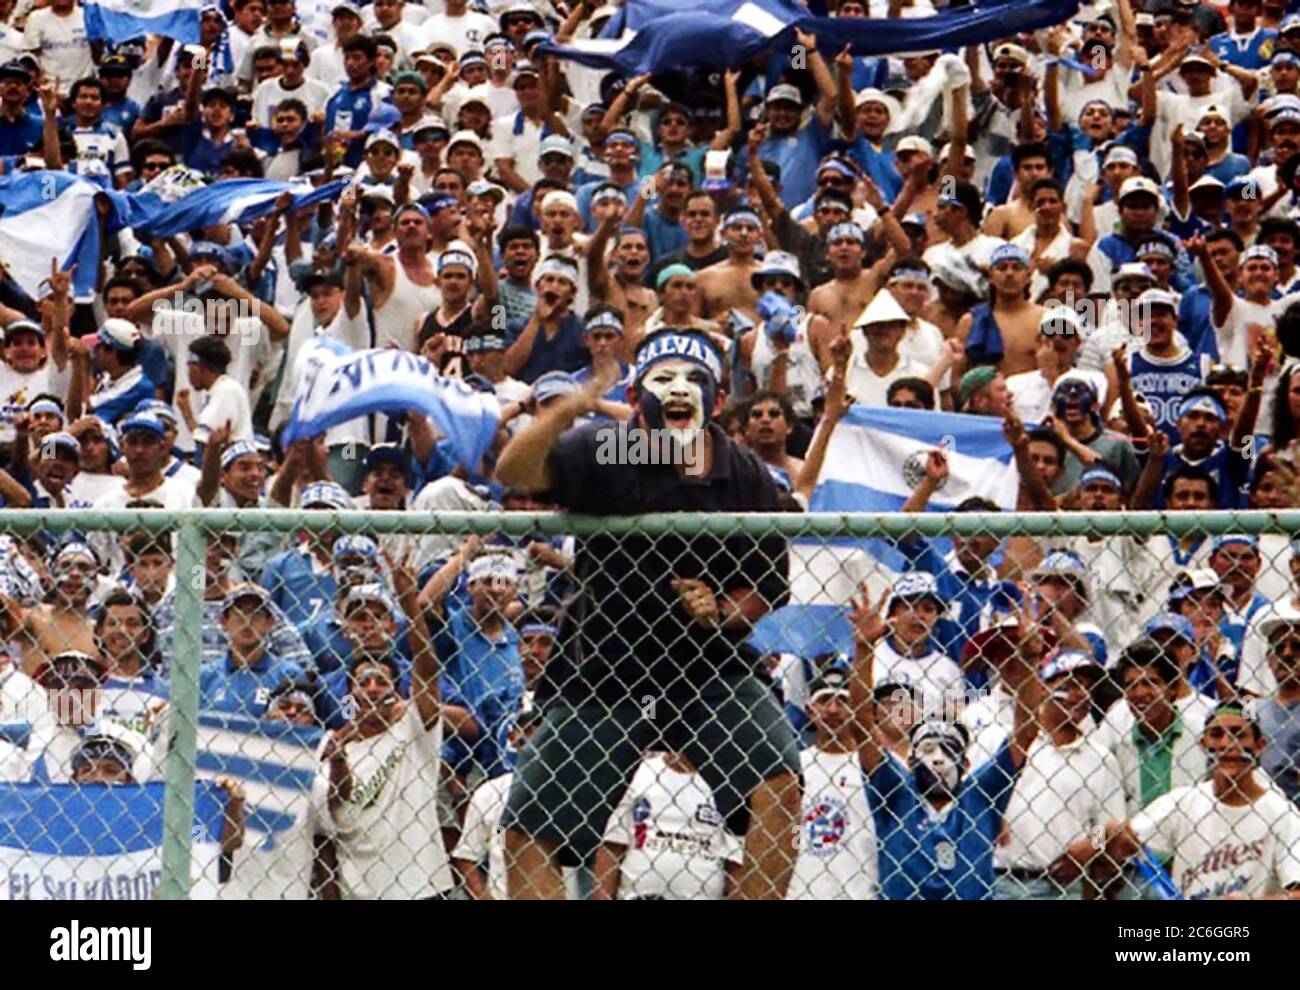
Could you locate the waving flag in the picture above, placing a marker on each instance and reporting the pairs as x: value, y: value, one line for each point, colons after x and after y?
x: 124, y: 20
x: 335, y: 387
x: 174, y: 203
x: 875, y: 459
x: 46, y: 215
x: 663, y: 35
x: 98, y: 841
x: 276, y: 764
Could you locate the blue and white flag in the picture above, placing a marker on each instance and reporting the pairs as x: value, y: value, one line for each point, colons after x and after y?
x: 668, y: 35
x: 44, y: 216
x: 174, y: 203
x: 99, y: 841
x: 124, y: 20
x: 276, y: 764
x: 875, y: 459
x: 336, y: 387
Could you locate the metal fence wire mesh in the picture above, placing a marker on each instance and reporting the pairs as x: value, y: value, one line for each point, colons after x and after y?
x: 292, y: 705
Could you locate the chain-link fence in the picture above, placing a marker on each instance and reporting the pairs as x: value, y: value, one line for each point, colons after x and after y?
x: 288, y: 704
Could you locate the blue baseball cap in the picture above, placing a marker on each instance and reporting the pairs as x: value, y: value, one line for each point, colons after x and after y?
x: 356, y: 544
x: 143, y: 421
x: 1180, y: 625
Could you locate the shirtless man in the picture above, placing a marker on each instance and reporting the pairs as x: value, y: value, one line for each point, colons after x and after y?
x: 1007, y: 332
x: 60, y: 623
x: 403, y: 286
x: 850, y: 289
x: 1016, y: 214
x: 726, y: 285
x: 621, y: 287
x: 768, y: 421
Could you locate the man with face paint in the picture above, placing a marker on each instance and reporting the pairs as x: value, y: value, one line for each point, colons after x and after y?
x: 672, y: 615
x: 1075, y: 406
x: 937, y: 819
x: 837, y: 859
x: 1232, y: 837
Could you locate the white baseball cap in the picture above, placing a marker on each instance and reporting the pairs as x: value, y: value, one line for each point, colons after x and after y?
x: 1138, y: 184
x: 785, y: 92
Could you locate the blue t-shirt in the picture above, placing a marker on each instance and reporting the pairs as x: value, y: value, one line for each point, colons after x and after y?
x: 17, y: 137
x: 1229, y: 468
x: 484, y: 676
x: 566, y: 352
x: 1165, y: 381
x: 349, y: 110
x: 122, y: 115
x: 663, y: 236
x: 798, y: 154
x: 1254, y: 51
x: 227, y: 687
x: 944, y: 860
x: 199, y: 151
x: 583, y: 196
x: 302, y: 594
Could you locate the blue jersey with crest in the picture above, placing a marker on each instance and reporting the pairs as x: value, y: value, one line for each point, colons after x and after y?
x: 1164, y: 382
x: 1249, y: 51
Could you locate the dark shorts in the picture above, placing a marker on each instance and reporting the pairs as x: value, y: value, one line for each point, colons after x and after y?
x: 575, y: 769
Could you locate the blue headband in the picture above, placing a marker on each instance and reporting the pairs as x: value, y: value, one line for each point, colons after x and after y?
x: 1203, y: 403
x: 741, y: 216
x: 539, y: 629
x: 1101, y: 474
x: 607, y: 320
x: 847, y: 229
x: 915, y: 274
x: 685, y: 345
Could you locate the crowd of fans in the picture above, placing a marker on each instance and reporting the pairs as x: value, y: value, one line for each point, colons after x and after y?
x: 1089, y: 233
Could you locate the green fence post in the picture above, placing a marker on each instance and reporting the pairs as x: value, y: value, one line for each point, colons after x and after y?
x: 183, y: 715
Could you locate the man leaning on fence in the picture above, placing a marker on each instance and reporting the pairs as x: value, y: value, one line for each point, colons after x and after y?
x: 652, y: 653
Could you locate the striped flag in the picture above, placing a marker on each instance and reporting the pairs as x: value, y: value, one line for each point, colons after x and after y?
x: 125, y: 20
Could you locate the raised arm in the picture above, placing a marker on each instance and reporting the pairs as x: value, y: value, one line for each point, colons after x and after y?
x: 868, y: 622
x: 821, y: 73
x: 936, y: 473
x: 1220, y: 292
x: 271, y: 317
x: 523, y: 463
x: 1178, y: 172
x: 425, y: 669
x: 837, y: 404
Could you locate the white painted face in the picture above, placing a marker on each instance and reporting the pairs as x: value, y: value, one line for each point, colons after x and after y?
x: 931, y: 753
x: 679, y: 387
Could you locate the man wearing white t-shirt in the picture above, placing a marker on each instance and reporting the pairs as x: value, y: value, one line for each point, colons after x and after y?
x: 457, y: 26
x: 1068, y: 785
x: 1233, y: 837
x: 57, y: 34
x: 225, y: 401
x: 482, y: 838
x: 26, y: 373
x: 377, y: 794
x: 837, y: 854
x: 290, y: 84
x: 666, y: 840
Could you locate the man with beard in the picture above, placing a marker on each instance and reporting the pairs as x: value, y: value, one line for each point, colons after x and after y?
x: 937, y: 819
x: 837, y: 857
x: 673, y: 615
x: 1232, y: 837
x: 376, y: 796
x: 60, y: 623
